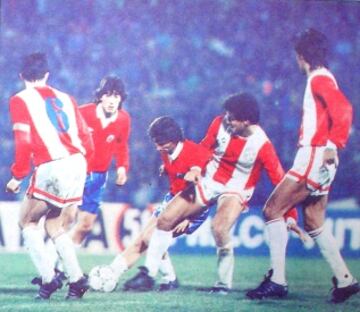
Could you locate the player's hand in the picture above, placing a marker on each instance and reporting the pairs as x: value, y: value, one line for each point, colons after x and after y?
x: 181, y: 227
x: 193, y: 175
x: 121, y: 176
x: 292, y: 226
x: 330, y: 157
x: 13, y: 186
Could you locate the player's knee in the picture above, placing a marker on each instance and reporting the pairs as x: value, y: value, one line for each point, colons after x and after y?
x: 219, y: 231
x: 273, y: 210
x: 164, y: 223
x: 86, y: 225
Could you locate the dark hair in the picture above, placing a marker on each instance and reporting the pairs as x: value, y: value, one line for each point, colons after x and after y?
x: 110, y: 85
x: 243, y: 106
x: 165, y: 129
x: 34, y: 66
x: 313, y: 46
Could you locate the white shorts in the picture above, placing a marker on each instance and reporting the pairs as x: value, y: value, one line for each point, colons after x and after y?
x: 59, y: 182
x: 309, y: 165
x: 209, y: 191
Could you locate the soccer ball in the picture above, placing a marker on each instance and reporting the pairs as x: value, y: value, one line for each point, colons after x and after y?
x: 102, y: 278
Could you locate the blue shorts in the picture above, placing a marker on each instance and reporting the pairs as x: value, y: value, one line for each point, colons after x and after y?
x: 195, y: 221
x: 93, y: 192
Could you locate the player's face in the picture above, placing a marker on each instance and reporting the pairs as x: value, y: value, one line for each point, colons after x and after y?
x: 167, y: 148
x: 236, y: 127
x: 110, y: 103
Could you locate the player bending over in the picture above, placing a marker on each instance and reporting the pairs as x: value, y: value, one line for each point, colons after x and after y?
x: 240, y: 151
x: 182, y: 161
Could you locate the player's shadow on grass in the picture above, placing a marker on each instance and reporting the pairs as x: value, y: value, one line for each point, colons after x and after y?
x: 17, y: 291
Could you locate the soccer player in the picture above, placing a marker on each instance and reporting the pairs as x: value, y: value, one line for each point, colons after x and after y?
x: 109, y: 125
x: 240, y: 150
x: 50, y: 134
x: 326, y: 123
x: 181, y: 158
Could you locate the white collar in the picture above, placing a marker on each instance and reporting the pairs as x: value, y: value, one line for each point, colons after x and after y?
x: 175, y: 154
x: 103, y: 119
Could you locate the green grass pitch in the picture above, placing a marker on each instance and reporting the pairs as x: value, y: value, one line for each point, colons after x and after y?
x: 309, y: 284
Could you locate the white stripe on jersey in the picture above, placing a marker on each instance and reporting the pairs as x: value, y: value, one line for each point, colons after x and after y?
x: 69, y: 110
x: 246, y: 160
x: 248, y: 157
x: 309, y: 120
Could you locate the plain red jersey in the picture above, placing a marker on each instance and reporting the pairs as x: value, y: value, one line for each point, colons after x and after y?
x: 186, y: 156
x: 327, y: 114
x: 47, y: 126
x: 110, y: 136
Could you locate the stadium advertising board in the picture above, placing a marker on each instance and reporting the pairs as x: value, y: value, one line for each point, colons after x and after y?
x: 119, y: 224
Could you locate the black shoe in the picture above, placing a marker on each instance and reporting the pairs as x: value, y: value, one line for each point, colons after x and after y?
x: 340, y: 294
x: 169, y: 286
x: 141, y: 281
x: 77, y: 289
x: 47, y: 289
x: 59, y: 275
x: 219, y: 290
x: 268, y: 289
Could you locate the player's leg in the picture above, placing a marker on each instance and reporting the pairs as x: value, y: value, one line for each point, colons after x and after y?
x: 177, y: 210
x: 84, y: 224
x: 345, y: 284
x: 228, y: 211
x: 66, y: 250
x: 132, y: 253
x: 286, y: 195
x: 90, y: 207
x: 169, y: 280
x: 31, y: 212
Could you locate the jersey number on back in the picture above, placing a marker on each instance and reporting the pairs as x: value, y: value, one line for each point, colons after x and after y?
x: 54, y: 109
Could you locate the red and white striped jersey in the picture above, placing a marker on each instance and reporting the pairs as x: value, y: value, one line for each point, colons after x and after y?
x: 237, y: 161
x: 327, y: 114
x: 47, y: 126
x: 110, y: 137
x: 186, y: 156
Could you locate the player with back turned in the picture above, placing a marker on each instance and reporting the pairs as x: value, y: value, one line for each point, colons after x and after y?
x: 50, y: 134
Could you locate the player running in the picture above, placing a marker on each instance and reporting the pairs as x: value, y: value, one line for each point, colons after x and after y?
x: 182, y: 160
x: 240, y: 150
x: 326, y: 123
x: 49, y: 133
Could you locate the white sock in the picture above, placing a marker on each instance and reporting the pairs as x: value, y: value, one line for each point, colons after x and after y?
x: 52, y: 253
x: 330, y: 251
x: 35, y: 245
x: 119, y: 265
x: 225, y: 265
x: 159, y: 243
x: 278, y: 237
x: 65, y: 247
x: 166, y: 269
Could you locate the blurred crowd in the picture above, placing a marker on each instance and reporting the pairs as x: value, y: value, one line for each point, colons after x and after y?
x: 181, y: 58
